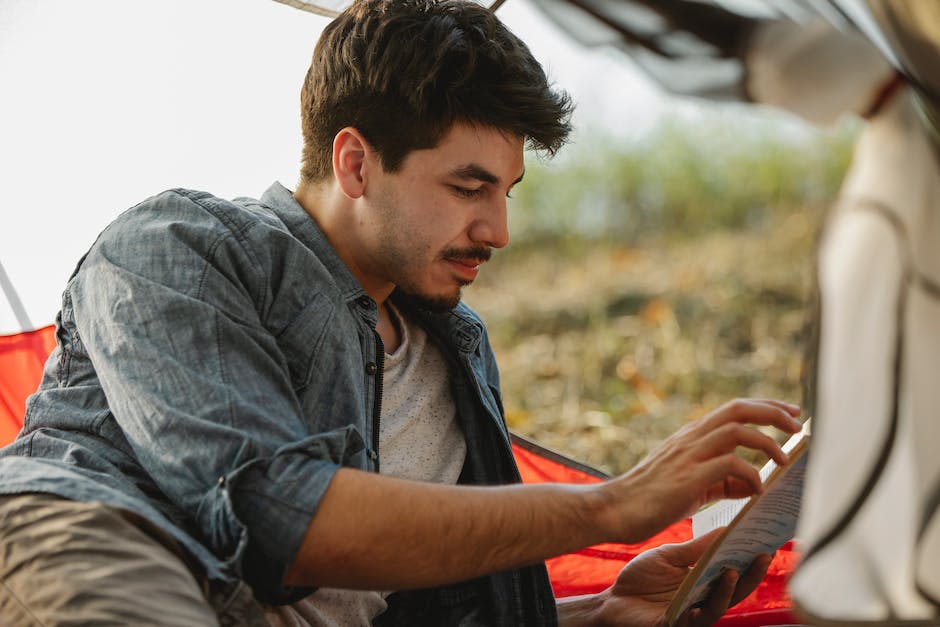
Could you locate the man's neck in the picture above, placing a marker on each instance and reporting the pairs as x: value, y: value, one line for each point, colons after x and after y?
x: 331, y: 210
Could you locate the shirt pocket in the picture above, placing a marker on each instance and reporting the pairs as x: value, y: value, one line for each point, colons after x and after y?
x: 301, y: 339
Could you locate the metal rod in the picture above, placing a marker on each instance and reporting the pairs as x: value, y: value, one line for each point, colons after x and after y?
x: 15, y: 303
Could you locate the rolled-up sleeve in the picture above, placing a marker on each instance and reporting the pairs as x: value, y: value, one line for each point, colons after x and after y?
x: 170, y: 306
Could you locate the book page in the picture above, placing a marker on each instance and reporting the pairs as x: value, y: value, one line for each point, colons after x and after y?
x: 753, y: 526
x: 718, y: 515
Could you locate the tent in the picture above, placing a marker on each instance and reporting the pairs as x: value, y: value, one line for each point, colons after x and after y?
x: 592, y: 569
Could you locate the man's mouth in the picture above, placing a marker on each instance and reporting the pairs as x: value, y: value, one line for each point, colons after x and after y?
x: 466, y: 269
x: 466, y: 264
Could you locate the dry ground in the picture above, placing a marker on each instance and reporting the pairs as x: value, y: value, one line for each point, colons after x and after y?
x: 605, y: 350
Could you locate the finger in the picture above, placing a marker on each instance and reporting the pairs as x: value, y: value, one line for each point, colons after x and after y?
x: 730, y: 488
x: 790, y: 408
x: 685, y: 554
x: 719, y: 470
x: 751, y: 578
x: 718, y: 600
x: 756, y: 412
x: 727, y: 437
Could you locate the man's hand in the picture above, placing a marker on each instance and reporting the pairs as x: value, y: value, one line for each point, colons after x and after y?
x: 442, y: 534
x: 695, y: 466
x: 646, y: 586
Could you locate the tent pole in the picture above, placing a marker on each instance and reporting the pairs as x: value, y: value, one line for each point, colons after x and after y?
x: 15, y: 303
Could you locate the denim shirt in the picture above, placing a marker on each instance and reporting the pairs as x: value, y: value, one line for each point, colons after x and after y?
x: 216, y: 363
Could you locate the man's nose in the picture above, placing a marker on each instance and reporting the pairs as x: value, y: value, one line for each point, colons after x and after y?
x: 492, y: 227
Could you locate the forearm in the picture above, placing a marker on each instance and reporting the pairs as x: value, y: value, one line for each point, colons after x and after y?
x: 382, y: 533
x: 378, y: 532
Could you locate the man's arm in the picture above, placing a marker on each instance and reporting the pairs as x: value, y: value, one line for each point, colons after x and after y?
x: 170, y: 306
x: 377, y: 532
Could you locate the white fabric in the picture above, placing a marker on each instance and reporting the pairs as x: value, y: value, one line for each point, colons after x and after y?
x: 879, y: 256
x: 419, y: 439
x: 813, y: 70
x: 419, y: 435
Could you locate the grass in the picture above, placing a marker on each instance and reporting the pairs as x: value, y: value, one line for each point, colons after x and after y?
x: 609, y: 338
x: 605, y: 353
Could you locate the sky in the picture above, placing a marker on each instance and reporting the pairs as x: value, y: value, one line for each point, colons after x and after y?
x: 108, y: 102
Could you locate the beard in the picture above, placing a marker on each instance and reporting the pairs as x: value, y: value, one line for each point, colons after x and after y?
x: 407, y: 259
x: 442, y: 303
x: 436, y: 304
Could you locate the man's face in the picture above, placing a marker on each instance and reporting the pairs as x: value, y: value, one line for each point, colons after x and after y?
x: 436, y: 219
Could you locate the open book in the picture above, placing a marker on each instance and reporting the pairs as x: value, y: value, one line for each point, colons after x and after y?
x: 757, y: 525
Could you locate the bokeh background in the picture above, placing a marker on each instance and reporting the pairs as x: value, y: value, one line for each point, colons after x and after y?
x: 651, y: 280
x: 661, y: 264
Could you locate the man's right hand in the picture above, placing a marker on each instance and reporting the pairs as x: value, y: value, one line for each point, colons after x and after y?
x: 694, y: 466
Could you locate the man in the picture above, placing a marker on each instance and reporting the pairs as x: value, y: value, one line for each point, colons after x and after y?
x: 262, y: 410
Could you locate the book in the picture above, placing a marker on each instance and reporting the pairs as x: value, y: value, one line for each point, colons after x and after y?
x: 753, y: 526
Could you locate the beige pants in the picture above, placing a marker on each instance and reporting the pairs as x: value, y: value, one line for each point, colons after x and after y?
x: 66, y: 562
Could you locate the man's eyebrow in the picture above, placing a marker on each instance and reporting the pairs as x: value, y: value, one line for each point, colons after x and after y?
x: 474, y: 171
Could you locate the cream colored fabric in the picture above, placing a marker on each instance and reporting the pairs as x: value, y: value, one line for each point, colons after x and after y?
x: 813, y: 70
x: 868, y: 525
x: 419, y: 436
x: 419, y: 439
x: 874, y: 465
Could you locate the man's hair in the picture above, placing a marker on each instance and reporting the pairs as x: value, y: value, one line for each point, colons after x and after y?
x: 402, y: 72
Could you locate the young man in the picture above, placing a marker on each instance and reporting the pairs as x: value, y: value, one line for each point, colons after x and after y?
x: 263, y: 410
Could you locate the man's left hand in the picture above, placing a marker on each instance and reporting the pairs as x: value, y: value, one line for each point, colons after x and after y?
x: 646, y: 586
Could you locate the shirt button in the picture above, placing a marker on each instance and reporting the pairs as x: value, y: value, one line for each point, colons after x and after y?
x: 364, y: 301
x: 371, y: 368
x: 221, y: 481
x: 373, y: 455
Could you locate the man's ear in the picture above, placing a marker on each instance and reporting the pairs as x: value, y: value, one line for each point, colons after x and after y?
x: 351, y: 156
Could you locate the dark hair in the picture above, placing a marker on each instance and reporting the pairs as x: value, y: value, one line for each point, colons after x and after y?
x: 402, y: 72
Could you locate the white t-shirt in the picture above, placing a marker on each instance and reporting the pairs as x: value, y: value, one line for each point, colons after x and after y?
x: 419, y: 439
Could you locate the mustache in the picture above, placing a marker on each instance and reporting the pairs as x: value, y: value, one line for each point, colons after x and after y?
x: 480, y: 255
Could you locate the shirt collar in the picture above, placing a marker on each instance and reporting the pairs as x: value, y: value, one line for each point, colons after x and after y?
x: 302, y: 226
x: 460, y: 326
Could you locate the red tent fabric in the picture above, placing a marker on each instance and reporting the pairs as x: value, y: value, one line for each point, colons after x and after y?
x: 594, y: 568
x: 590, y: 570
x: 21, y: 360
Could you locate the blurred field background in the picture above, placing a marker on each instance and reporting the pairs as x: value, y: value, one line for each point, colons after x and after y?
x: 651, y: 280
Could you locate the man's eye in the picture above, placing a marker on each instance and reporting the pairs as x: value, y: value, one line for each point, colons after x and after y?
x: 467, y: 192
